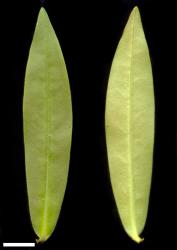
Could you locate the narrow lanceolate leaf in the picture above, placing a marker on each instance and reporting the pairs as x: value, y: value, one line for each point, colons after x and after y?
x: 130, y: 126
x: 47, y: 115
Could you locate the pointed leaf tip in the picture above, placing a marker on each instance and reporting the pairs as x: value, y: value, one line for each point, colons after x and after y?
x: 135, y: 9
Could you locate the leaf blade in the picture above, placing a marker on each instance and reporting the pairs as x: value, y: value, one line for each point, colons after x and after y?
x: 129, y: 122
x: 47, y: 112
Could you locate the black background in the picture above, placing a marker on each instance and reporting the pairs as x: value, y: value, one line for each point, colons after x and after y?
x: 88, y: 33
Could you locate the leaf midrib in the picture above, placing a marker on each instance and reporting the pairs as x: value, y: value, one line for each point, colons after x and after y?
x: 48, y: 143
x: 132, y: 203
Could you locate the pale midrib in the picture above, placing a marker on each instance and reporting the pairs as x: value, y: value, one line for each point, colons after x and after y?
x: 132, y: 204
x: 48, y: 144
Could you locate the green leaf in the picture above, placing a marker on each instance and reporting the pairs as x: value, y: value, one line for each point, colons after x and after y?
x: 129, y: 123
x: 47, y: 113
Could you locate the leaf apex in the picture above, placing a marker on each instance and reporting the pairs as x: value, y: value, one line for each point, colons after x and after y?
x: 135, y: 9
x: 42, y: 10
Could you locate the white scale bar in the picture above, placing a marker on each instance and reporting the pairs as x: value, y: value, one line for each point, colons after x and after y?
x: 18, y: 244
